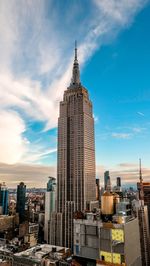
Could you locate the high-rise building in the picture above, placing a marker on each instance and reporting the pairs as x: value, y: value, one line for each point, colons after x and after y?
x: 3, y: 199
x: 97, y: 189
x: 106, y: 178
x: 118, y: 181
x: 146, y: 195
x: 50, y: 200
x: 21, y: 197
x: 144, y: 218
x: 76, y: 154
x: 142, y: 214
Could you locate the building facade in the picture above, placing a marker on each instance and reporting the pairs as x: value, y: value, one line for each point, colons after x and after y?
x: 3, y: 199
x: 76, y: 154
x: 21, y: 198
x: 50, y: 202
x: 145, y: 186
x: 107, y: 243
x: 106, y: 179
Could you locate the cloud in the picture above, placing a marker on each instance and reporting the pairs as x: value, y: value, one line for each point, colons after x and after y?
x: 121, y: 135
x: 36, y: 58
x: 35, y: 155
x: 28, y: 173
x: 12, y: 142
x: 96, y: 119
x: 138, y: 129
x: 140, y: 113
x: 129, y: 173
x: 127, y: 165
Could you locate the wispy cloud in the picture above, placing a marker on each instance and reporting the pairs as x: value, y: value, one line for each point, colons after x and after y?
x: 129, y: 173
x: 121, y: 135
x: 36, y: 57
x: 28, y: 173
x: 140, y: 113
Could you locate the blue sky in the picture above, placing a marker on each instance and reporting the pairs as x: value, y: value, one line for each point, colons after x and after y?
x: 36, y: 51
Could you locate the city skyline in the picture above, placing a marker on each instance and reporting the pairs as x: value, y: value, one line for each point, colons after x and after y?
x: 34, y: 76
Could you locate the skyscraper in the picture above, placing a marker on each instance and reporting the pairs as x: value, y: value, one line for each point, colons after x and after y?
x: 50, y: 198
x: 76, y: 154
x: 3, y: 199
x: 21, y: 196
x: 143, y: 222
x: 106, y: 178
x: 118, y: 181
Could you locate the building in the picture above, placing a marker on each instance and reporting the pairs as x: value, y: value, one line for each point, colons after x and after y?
x: 106, y: 179
x: 107, y: 243
x: 142, y: 214
x: 146, y: 194
x: 3, y: 199
x: 76, y: 154
x: 50, y: 200
x: 98, y: 189
x: 55, y: 223
x: 8, y: 225
x: 118, y: 181
x: 6, y: 256
x: 21, y: 198
x: 115, y: 242
x: 42, y: 255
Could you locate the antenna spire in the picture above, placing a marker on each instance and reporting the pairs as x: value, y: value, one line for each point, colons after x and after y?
x: 141, y: 193
x: 75, y: 81
x: 75, y: 58
x: 140, y: 171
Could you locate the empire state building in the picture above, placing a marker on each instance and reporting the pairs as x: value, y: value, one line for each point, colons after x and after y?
x: 76, y: 154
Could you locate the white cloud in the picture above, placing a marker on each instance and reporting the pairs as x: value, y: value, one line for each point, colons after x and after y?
x: 28, y: 173
x: 35, y: 52
x: 138, y: 129
x: 12, y: 143
x: 96, y: 118
x: 34, y: 154
x: 140, y: 113
x: 129, y: 173
x: 121, y: 135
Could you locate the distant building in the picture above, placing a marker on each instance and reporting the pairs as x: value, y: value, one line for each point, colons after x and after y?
x: 21, y: 197
x: 118, y: 181
x: 106, y: 178
x: 3, y: 199
x: 50, y: 200
x: 97, y: 189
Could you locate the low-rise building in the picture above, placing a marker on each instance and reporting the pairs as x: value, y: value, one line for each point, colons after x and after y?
x: 43, y: 255
x: 107, y: 242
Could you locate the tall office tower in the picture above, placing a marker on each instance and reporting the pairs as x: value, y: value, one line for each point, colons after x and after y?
x: 3, y: 199
x: 50, y: 199
x: 146, y: 195
x: 97, y: 189
x: 108, y: 185
x: 21, y: 197
x: 76, y: 154
x: 106, y: 177
x: 143, y: 223
x: 118, y: 181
